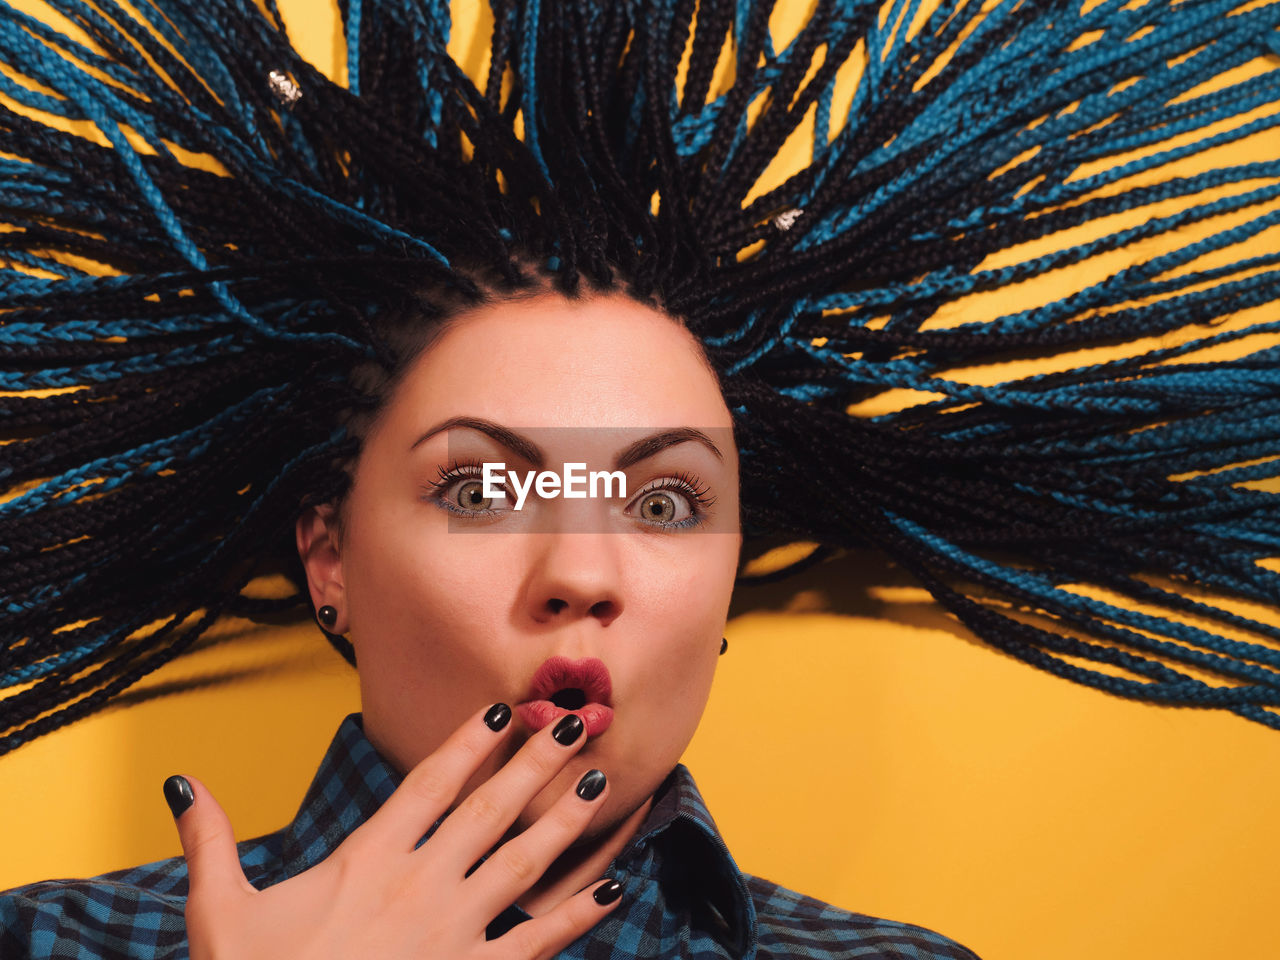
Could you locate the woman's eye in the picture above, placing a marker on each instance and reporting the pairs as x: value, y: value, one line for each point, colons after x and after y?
x: 664, y: 506
x: 471, y: 496
x: 673, y: 503
x: 463, y: 493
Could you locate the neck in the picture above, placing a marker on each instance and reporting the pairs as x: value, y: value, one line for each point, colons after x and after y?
x: 581, y: 866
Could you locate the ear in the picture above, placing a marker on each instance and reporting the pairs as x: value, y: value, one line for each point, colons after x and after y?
x: 318, y: 547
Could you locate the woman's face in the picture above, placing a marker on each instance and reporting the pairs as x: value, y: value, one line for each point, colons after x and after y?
x: 450, y: 607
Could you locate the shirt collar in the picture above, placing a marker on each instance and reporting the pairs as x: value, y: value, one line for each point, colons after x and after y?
x: 352, y: 783
x: 681, y: 832
x: 678, y: 836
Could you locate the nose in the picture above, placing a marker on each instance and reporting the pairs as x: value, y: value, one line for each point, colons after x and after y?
x: 575, y: 575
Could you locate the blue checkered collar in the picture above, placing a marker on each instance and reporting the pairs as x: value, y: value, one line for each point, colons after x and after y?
x: 353, y: 781
x: 678, y: 838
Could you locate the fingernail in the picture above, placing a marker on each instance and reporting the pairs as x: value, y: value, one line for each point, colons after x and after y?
x: 568, y: 729
x: 607, y: 892
x: 179, y: 796
x: 591, y: 784
x: 497, y: 717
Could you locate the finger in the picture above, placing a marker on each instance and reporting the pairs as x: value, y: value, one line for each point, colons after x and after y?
x: 545, y: 936
x: 431, y: 787
x: 480, y: 820
x: 208, y: 842
x: 519, y: 862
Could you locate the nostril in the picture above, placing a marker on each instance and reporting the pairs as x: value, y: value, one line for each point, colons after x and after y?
x: 570, y: 698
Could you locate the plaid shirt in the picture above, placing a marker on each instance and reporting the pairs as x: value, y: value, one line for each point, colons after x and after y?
x: 683, y: 895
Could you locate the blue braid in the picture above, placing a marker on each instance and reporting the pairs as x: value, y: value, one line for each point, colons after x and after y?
x: 256, y: 291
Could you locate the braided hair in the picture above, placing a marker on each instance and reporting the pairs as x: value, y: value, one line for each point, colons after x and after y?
x: 206, y: 235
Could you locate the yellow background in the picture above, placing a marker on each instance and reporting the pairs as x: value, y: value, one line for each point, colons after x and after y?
x: 860, y: 746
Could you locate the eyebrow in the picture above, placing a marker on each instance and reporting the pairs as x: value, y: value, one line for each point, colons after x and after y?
x: 641, y: 449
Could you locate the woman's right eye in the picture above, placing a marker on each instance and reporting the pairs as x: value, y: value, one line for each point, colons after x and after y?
x: 461, y: 491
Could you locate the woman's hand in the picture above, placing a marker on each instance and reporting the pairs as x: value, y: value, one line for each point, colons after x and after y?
x: 375, y: 895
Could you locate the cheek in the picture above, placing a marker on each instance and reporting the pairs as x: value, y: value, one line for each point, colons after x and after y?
x: 422, y: 599
x: 696, y: 584
x: 683, y: 606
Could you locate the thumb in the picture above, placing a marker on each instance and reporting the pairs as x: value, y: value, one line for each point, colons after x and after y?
x: 208, y: 842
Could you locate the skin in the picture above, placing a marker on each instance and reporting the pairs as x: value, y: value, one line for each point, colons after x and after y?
x: 377, y: 895
x: 444, y: 619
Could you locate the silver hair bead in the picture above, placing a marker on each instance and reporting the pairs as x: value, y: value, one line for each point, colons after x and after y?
x: 286, y: 91
x: 786, y: 219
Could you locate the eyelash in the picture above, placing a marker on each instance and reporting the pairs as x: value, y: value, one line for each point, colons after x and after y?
x: 693, y: 489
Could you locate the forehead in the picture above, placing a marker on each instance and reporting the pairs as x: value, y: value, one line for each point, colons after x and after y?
x: 602, y: 361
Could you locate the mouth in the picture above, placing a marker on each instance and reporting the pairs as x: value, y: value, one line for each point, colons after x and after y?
x: 562, y: 686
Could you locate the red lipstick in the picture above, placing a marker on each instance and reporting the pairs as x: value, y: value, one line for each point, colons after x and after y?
x: 564, y: 686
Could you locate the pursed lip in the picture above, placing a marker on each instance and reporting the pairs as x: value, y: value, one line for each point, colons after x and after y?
x: 589, y: 675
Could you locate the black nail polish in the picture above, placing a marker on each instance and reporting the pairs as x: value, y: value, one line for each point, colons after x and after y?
x: 607, y: 892
x: 591, y: 784
x: 568, y: 729
x: 497, y: 717
x: 178, y: 794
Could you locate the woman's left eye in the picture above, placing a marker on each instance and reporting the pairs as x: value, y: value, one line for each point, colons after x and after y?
x: 677, y: 502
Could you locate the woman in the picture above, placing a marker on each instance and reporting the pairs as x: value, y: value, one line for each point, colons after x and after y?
x: 614, y: 606
x: 249, y: 294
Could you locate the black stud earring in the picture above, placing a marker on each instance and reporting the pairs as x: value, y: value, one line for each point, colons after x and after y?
x: 724, y: 645
x: 327, y: 616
